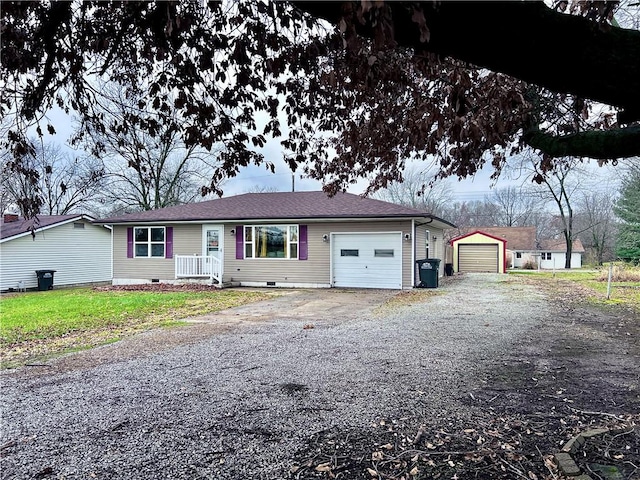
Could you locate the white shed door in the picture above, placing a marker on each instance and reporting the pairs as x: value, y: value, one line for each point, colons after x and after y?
x: 367, y: 260
x: 481, y: 257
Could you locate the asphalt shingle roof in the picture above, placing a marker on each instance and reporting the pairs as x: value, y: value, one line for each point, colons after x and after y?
x: 518, y: 238
x: 22, y: 225
x: 280, y: 205
x: 559, y: 245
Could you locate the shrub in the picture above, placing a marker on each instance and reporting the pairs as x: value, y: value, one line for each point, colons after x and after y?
x: 529, y: 265
x: 621, y: 273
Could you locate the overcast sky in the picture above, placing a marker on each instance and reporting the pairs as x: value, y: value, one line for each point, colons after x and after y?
x: 257, y: 177
x: 475, y: 188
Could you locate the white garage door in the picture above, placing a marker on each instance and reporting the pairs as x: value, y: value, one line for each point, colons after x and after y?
x: 478, y: 258
x: 368, y: 260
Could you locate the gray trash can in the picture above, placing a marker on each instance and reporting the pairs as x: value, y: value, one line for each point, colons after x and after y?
x: 45, y: 279
x: 428, y: 269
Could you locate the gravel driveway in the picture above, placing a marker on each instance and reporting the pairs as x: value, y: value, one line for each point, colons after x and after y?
x: 244, y: 401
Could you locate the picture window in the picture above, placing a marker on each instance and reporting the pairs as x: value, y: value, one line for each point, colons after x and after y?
x: 271, y: 241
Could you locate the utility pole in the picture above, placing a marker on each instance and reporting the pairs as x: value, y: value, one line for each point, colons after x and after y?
x: 293, y: 182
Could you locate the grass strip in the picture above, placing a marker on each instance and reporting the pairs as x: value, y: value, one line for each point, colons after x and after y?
x: 37, y: 317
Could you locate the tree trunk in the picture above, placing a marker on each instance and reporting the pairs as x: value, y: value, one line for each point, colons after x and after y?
x: 567, y: 260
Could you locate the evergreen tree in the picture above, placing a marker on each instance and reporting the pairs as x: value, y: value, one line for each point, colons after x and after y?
x: 628, y: 210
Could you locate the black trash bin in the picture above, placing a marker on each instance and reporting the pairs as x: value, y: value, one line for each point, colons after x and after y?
x: 45, y: 279
x: 448, y: 269
x: 428, y: 270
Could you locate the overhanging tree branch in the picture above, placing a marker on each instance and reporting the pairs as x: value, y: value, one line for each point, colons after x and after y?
x: 526, y: 40
x: 597, y: 144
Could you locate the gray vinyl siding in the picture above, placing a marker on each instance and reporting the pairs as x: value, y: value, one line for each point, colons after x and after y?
x: 187, y: 240
x: 315, y: 270
x: 78, y: 256
x: 436, y: 247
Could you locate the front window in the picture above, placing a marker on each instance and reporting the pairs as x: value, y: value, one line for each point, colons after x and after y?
x: 546, y: 255
x: 149, y: 241
x: 271, y: 241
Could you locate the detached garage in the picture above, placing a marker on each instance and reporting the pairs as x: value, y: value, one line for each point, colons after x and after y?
x: 479, y: 252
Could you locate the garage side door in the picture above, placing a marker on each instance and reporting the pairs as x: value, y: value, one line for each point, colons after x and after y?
x: 372, y: 260
x: 478, y: 258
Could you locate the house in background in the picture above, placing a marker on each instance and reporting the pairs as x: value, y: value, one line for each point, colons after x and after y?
x: 553, y: 253
x: 522, y: 249
x: 78, y: 250
x: 282, y: 239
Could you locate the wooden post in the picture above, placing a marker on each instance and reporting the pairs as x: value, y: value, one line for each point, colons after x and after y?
x: 609, y: 280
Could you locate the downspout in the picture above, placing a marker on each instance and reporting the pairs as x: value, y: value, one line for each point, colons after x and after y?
x: 504, y: 256
x: 413, y: 252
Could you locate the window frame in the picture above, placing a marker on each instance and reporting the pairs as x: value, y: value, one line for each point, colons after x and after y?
x: 292, y: 239
x: 149, y: 242
x: 546, y: 256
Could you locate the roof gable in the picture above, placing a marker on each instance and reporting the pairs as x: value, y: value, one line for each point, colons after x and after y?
x: 276, y: 205
x: 477, y: 232
x: 23, y: 226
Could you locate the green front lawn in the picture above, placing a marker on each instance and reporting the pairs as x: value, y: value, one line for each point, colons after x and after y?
x: 92, y: 316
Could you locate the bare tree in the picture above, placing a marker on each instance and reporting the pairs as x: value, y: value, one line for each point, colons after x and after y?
x: 469, y: 214
x: 560, y: 186
x: 516, y: 207
x: 144, y: 171
x: 419, y: 190
x: 595, y: 222
x: 262, y: 189
x: 61, y: 183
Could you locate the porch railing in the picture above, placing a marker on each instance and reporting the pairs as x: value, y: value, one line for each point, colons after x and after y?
x: 198, y: 266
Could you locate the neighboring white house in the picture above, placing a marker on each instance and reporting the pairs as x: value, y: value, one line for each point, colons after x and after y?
x: 78, y: 250
x: 553, y: 254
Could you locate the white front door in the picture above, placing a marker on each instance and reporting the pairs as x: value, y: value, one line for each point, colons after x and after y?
x: 213, y: 243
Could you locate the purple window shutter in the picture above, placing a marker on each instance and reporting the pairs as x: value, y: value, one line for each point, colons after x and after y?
x: 239, y: 242
x: 130, y: 242
x: 168, y: 253
x: 303, y: 250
